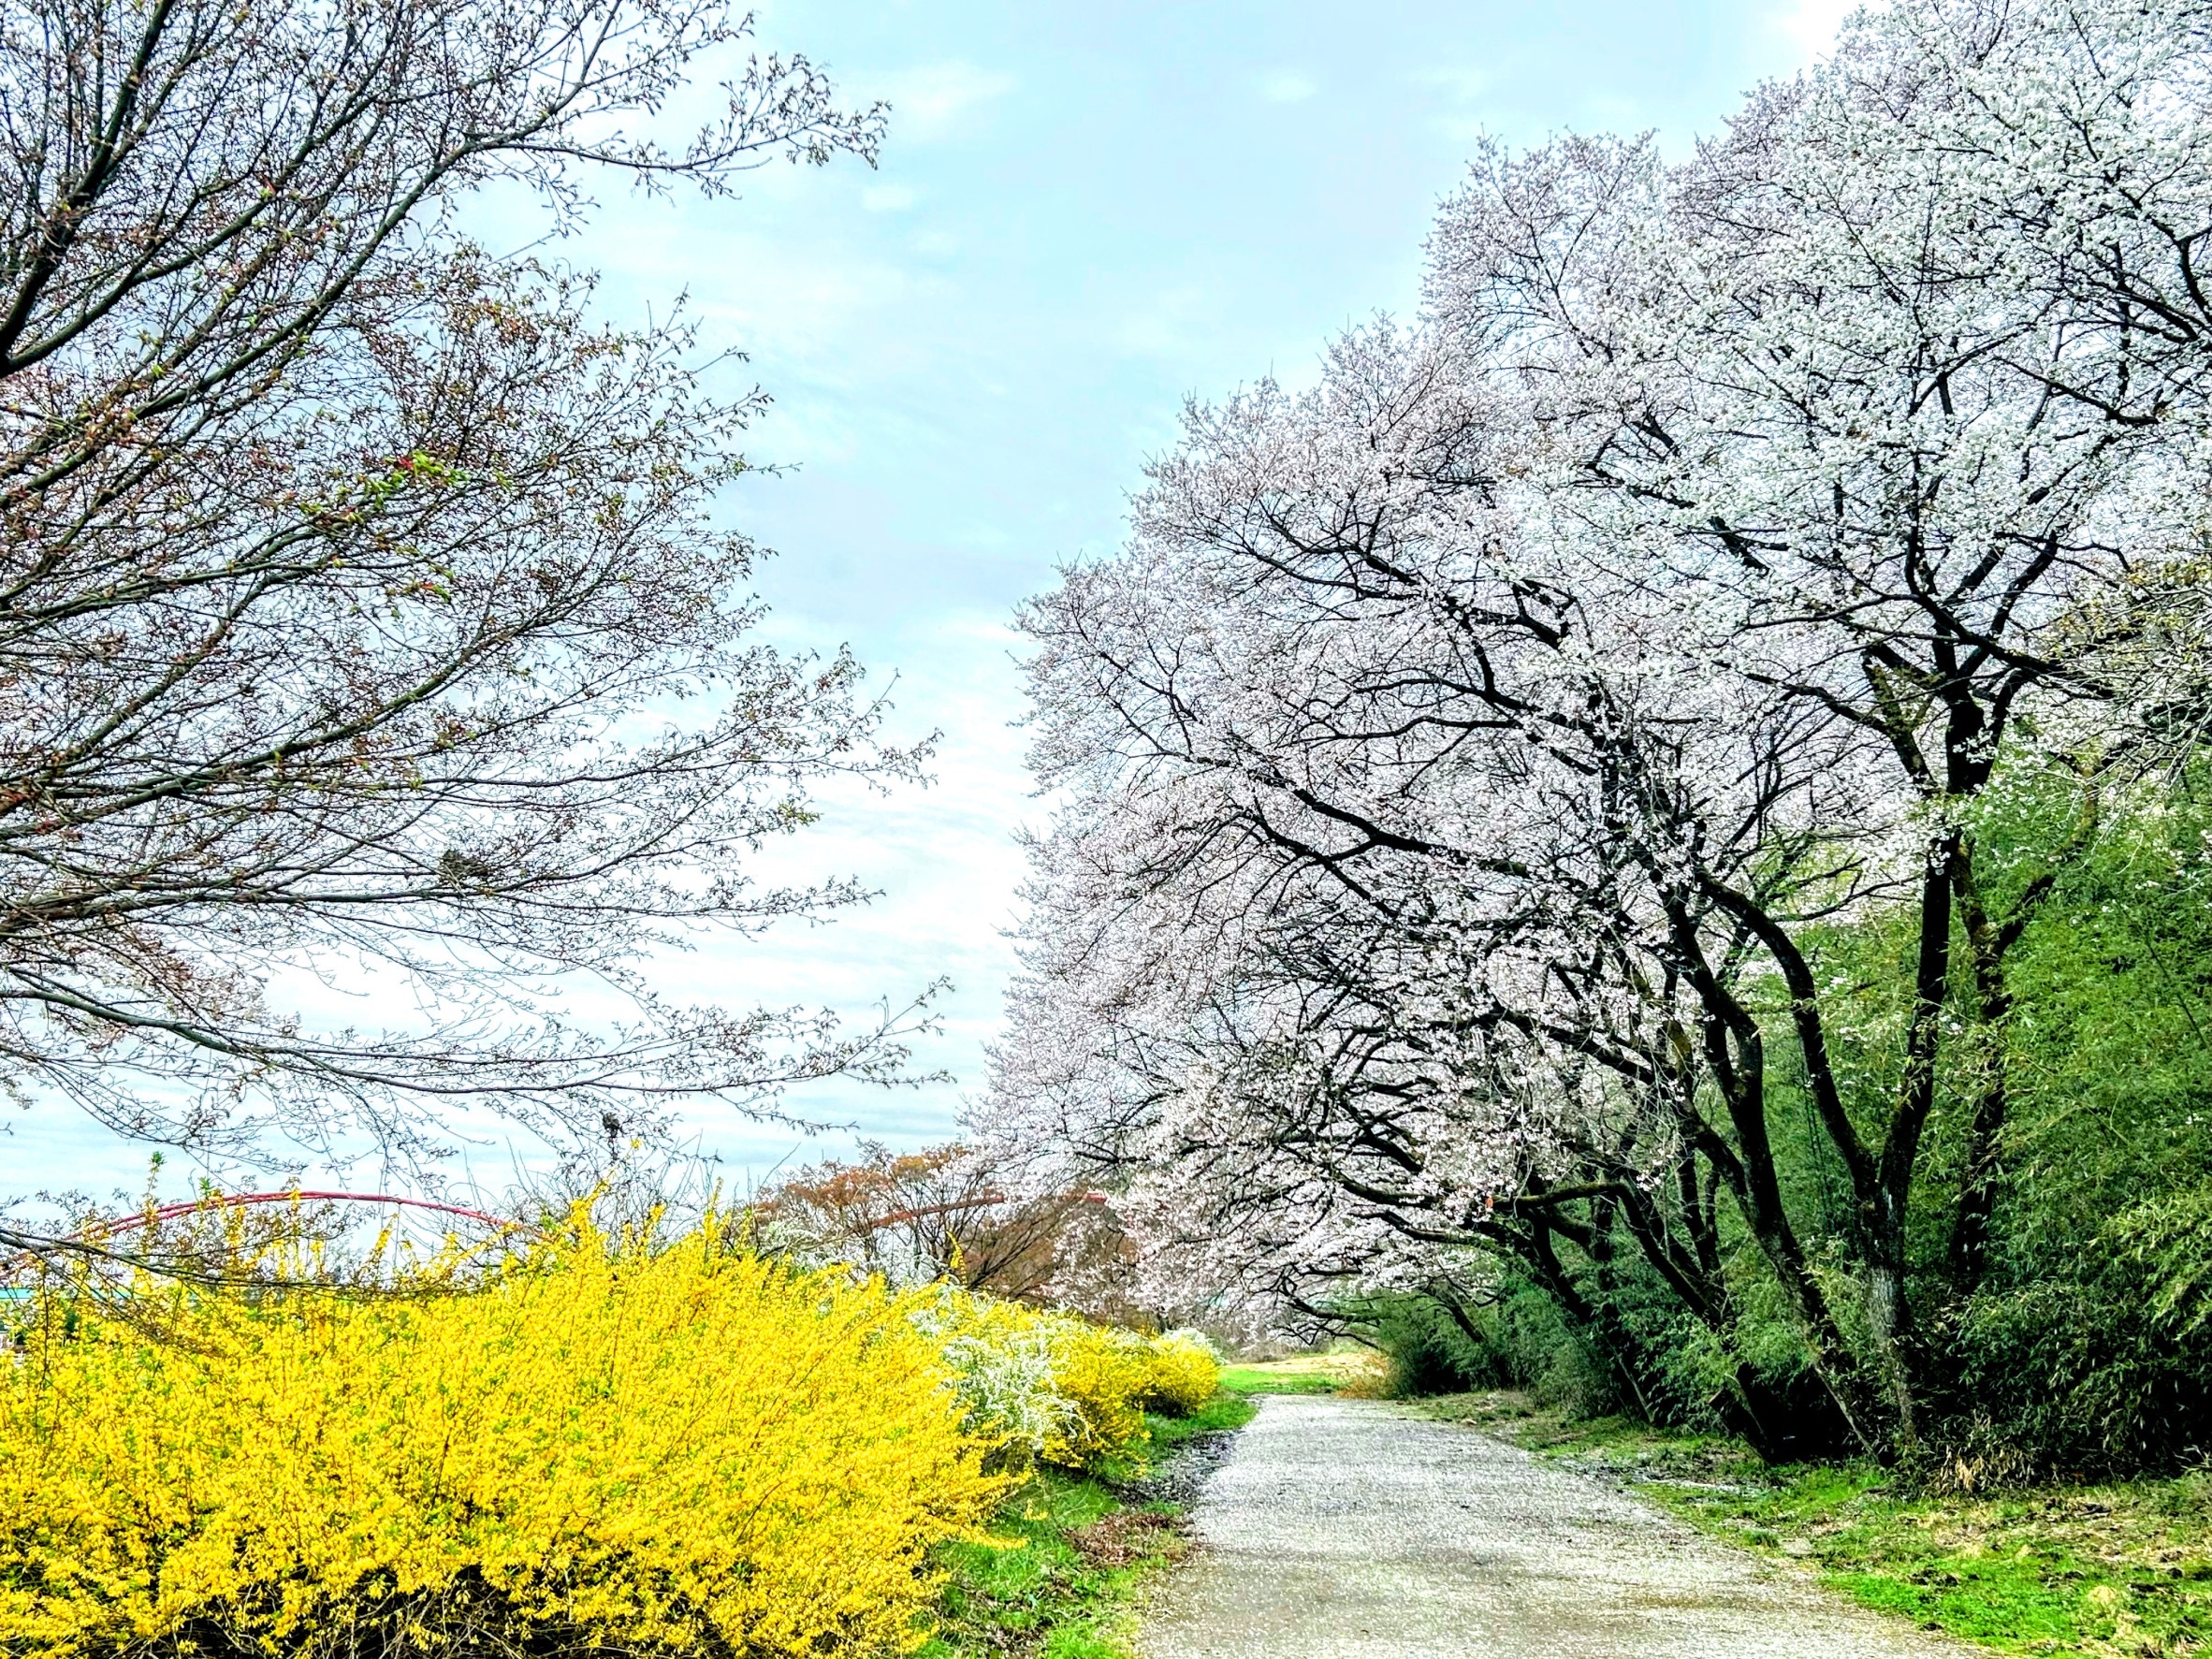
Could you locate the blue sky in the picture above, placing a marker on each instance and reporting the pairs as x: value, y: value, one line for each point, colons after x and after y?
x: 1085, y: 213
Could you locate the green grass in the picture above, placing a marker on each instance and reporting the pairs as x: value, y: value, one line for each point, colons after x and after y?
x: 1261, y: 1379
x: 1043, y: 1588
x: 2098, y: 1571
x: 1061, y: 1579
x: 1616, y: 1444
x: 1226, y: 1410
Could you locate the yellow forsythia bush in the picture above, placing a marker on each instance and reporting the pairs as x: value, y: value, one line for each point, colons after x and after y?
x: 1104, y: 1374
x: 1039, y: 1386
x: 612, y: 1446
x: 1111, y: 1377
x: 1048, y: 1387
x: 1182, y: 1373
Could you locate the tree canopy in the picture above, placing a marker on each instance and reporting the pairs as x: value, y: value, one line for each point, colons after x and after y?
x: 367, y: 619
x: 1576, y: 788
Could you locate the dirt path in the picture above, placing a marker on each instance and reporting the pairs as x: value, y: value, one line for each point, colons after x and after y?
x: 1349, y: 1529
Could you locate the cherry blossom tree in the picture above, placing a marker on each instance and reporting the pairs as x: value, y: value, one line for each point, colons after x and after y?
x: 364, y: 616
x: 1389, y: 821
x: 1464, y: 761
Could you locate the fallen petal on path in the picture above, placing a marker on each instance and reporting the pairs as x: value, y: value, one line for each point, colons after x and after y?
x: 1353, y: 1529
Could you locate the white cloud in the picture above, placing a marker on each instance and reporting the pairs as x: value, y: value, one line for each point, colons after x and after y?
x: 802, y: 300
x: 946, y: 864
x: 1173, y: 324
x: 1462, y: 86
x: 929, y: 100
x: 1810, y: 25
x: 887, y: 198
x: 1287, y: 86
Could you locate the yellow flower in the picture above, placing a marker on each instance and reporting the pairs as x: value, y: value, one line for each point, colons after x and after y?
x: 678, y: 1447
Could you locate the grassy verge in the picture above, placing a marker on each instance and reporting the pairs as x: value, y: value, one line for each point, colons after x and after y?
x: 1226, y: 1410
x: 1072, y: 1550
x: 1341, y: 1370
x: 1614, y: 1446
x: 1266, y: 1379
x: 2100, y: 1571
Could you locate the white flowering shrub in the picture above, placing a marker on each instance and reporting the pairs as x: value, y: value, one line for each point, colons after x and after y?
x: 1000, y: 1360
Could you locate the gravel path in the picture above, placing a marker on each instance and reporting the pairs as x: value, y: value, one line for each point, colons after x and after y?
x: 1350, y: 1529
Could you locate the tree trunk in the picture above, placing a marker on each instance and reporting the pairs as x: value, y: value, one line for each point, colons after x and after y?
x: 1889, y: 1308
x: 1988, y: 945
x: 1794, y: 1422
